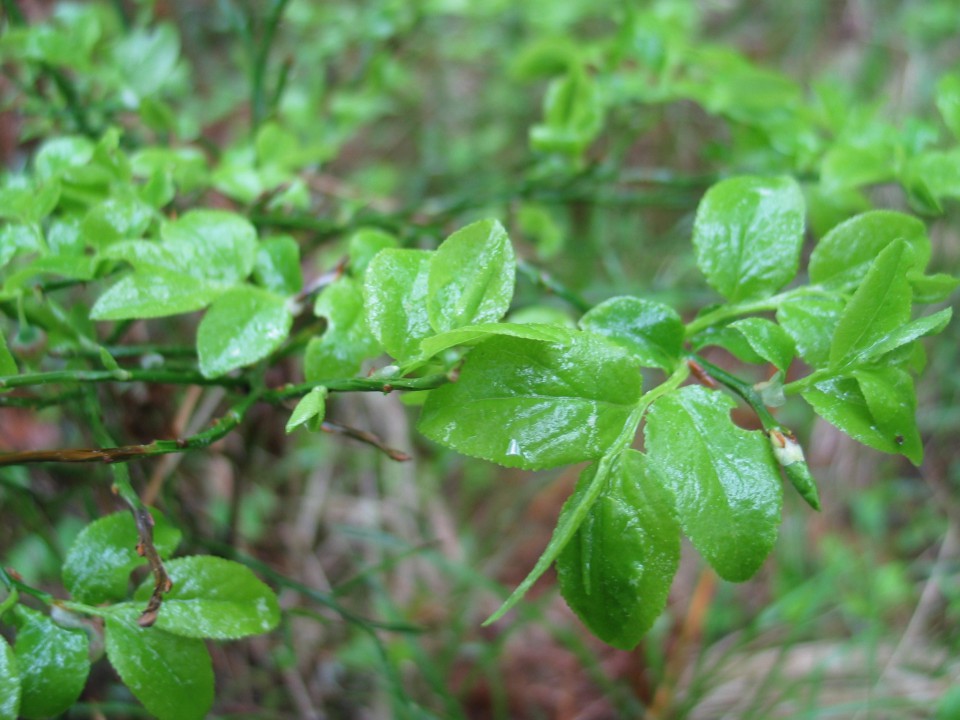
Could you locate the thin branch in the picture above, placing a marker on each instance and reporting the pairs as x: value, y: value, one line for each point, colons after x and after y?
x: 365, y: 437
x: 545, y: 281
x: 162, y: 377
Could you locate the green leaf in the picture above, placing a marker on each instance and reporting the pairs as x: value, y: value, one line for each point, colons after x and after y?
x: 243, y: 325
x: 841, y: 402
x: 892, y: 401
x: 16, y: 238
x: 61, y: 153
x: 725, y: 479
x: 310, y: 410
x: 146, y: 58
x: 22, y: 201
x: 53, y: 663
x: 845, y: 166
x: 116, y: 218
x: 845, y: 253
x: 535, y: 405
x: 902, y: 335
x: 573, y: 115
x: 615, y: 572
x: 151, y: 293
x: 748, y: 233
x: 948, y: 101
x: 932, y: 288
x: 811, y: 319
x: 395, y: 293
x: 9, y: 683
x: 277, y: 266
x: 880, y: 306
x: 752, y: 340
x: 347, y: 341
x: 650, y: 331
x: 171, y: 675
x: 214, y: 598
x: 472, y: 334
x: 471, y: 277
x: 98, y: 566
x: 213, y: 244
x: 8, y: 366
x: 364, y: 245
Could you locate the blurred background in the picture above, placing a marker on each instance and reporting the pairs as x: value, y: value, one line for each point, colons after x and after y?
x: 416, y: 117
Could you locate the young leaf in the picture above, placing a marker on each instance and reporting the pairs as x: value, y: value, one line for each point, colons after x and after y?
x: 573, y: 115
x: 116, y: 218
x: 879, y: 307
x: 753, y: 340
x: 848, y: 166
x: 845, y: 253
x: 648, y: 330
x: 277, y: 266
x: 154, y: 293
x: 172, y: 676
x: 471, y: 277
x: 347, y: 341
x: 395, y: 293
x: 725, y: 479
x: 615, y: 572
x: 535, y: 405
x: 214, y: 598
x: 98, y: 566
x: 310, y: 410
x: 53, y: 663
x: 841, y: 402
x: 243, y: 325
x: 902, y: 335
x: 931, y: 288
x: 213, y: 244
x: 364, y: 245
x: 471, y: 334
x: 948, y: 101
x: 9, y: 683
x: 8, y: 366
x: 748, y: 232
x: 811, y: 321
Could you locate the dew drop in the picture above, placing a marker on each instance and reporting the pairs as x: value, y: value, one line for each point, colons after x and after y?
x: 514, y: 448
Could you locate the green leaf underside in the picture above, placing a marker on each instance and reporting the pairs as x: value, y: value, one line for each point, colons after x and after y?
x: 748, y: 233
x: 243, y: 325
x: 471, y: 277
x: 347, y: 341
x: 535, y: 405
x: 845, y: 253
x: 650, y: 331
x: 9, y: 683
x: 172, y: 676
x: 473, y: 333
x: 725, y: 479
x: 811, y: 320
x: 53, y: 664
x: 213, y: 245
x: 152, y: 293
x: 841, y: 402
x: 98, y: 566
x: 879, y: 307
x: 214, y: 598
x: 753, y: 340
x: 615, y: 572
x: 395, y: 293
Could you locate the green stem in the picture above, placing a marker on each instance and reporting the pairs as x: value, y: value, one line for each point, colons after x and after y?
x: 162, y: 377
x: 728, y: 312
x: 543, y: 280
x: 741, y: 388
x: 258, y: 100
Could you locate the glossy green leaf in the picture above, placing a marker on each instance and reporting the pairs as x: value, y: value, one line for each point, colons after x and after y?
x: 615, y: 572
x: 472, y: 334
x: 880, y: 306
x: 811, y: 319
x: 573, y: 115
x: 117, y: 218
x: 277, y: 266
x: 213, y: 244
x: 471, y: 277
x: 22, y: 201
x: 892, y: 401
x: 754, y: 340
x: 154, y: 293
x: 725, y: 479
x: 8, y: 366
x: 948, y: 101
x: 309, y: 411
x: 98, y: 566
x: 52, y: 661
x: 243, y: 325
x: 171, y: 675
x: 932, y: 288
x: 938, y: 171
x: 534, y: 405
x: 844, y: 255
x: 146, y: 58
x: 9, y: 683
x: 347, y: 341
x: 847, y: 166
x: 61, y: 153
x: 902, y: 335
x: 16, y: 238
x: 395, y: 293
x: 363, y: 246
x: 214, y: 598
x: 650, y: 331
x: 841, y: 402
x: 748, y: 233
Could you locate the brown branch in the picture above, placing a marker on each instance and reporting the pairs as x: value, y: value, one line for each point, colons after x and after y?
x: 365, y: 437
